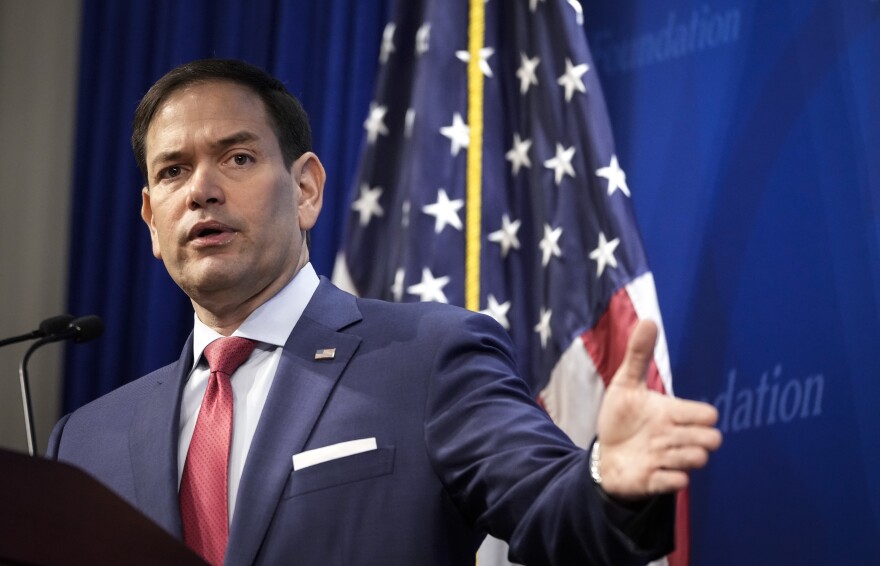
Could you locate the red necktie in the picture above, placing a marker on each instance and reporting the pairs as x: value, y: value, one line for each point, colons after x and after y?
x: 204, y: 500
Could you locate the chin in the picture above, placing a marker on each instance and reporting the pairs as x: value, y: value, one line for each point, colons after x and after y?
x: 210, y: 281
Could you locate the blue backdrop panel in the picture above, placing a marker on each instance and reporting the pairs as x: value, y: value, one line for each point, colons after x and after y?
x: 750, y: 133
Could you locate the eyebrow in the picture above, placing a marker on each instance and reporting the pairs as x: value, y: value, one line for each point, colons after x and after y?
x: 236, y: 138
x: 219, y: 145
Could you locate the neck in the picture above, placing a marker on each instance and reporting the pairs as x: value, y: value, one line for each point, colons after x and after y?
x: 224, y: 312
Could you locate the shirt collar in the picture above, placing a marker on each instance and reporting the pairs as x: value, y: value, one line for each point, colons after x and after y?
x: 272, y: 322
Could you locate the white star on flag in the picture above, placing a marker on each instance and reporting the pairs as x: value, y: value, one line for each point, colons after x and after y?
x: 485, y: 53
x: 409, y: 121
x: 571, y: 80
x: 543, y: 326
x: 518, y: 155
x: 561, y: 164
x: 423, y: 38
x: 498, y: 311
x: 578, y: 11
x: 367, y: 204
x: 458, y: 133
x: 375, y: 122
x: 397, y: 287
x: 444, y: 211
x: 615, y: 175
x: 404, y: 213
x: 430, y: 288
x: 550, y: 244
x: 533, y: 5
x: 604, y: 253
x: 506, y: 235
x: 526, y: 72
x: 387, y: 47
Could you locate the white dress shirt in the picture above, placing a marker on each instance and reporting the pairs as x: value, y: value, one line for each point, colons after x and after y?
x: 270, y: 326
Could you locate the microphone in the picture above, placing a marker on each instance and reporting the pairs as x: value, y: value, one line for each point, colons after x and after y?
x: 50, y: 326
x: 79, y: 330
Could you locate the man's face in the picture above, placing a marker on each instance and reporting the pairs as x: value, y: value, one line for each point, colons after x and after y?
x: 225, y: 215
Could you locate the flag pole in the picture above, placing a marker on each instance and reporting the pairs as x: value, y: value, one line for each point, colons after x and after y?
x: 476, y: 31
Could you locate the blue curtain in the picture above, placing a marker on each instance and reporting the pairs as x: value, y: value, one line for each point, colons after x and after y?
x: 325, y: 52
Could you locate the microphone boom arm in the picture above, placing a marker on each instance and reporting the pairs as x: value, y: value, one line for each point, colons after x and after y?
x: 82, y: 329
x: 26, y: 393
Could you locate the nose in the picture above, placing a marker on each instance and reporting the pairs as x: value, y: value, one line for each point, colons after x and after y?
x: 204, y: 189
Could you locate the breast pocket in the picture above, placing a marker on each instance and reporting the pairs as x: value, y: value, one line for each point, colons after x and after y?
x: 341, y: 471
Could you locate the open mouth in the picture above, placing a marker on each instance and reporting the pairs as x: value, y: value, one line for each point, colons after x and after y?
x: 210, y: 233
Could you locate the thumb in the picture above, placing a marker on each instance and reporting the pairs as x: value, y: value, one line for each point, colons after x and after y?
x: 639, y: 353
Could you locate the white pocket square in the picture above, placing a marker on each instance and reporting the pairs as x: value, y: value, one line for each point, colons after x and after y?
x: 332, y: 452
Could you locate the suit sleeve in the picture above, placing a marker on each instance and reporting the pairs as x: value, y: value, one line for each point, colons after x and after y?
x: 513, y: 473
x: 55, y: 438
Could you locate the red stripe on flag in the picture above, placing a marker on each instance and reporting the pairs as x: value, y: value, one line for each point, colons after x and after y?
x: 606, y: 341
x: 681, y: 556
x: 539, y: 399
x: 606, y: 345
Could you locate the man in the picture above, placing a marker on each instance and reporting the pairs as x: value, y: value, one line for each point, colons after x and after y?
x: 363, y: 432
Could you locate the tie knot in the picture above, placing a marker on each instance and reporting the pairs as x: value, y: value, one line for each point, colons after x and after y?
x: 226, y: 354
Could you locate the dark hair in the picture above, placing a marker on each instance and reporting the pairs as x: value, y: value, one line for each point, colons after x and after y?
x: 289, y: 120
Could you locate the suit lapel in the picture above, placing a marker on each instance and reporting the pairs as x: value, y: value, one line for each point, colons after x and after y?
x: 153, y: 442
x: 299, y: 392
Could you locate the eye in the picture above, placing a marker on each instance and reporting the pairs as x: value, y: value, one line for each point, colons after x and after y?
x: 170, y: 172
x: 242, y: 159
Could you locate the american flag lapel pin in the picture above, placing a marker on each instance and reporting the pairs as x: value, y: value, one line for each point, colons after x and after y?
x: 325, y: 354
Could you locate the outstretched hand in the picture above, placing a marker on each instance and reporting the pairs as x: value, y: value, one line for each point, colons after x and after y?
x: 650, y: 441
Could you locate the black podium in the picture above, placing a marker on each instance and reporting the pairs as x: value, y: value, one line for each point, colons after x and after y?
x: 53, y: 513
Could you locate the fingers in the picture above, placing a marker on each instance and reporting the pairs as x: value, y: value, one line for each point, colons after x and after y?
x: 639, y: 352
x: 687, y: 446
x: 652, y: 471
x: 685, y: 412
x: 703, y: 437
x: 684, y: 458
x: 675, y: 465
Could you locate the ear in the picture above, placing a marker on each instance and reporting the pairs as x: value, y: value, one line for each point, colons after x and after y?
x: 309, y: 174
x: 147, y: 215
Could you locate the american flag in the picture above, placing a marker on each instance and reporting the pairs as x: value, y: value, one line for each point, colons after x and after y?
x: 541, y: 211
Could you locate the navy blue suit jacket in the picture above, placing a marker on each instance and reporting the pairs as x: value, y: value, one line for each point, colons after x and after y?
x: 462, y: 449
